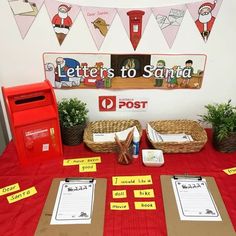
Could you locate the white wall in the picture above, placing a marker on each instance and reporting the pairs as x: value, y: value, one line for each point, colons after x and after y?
x: 21, y: 60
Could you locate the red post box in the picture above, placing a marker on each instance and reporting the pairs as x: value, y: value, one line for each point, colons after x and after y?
x: 33, y: 117
x: 135, y: 26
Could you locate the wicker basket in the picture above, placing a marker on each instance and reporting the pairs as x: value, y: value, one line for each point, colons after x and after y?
x: 107, y: 126
x: 179, y: 126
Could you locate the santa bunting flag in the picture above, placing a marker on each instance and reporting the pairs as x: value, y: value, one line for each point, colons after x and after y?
x: 134, y: 21
x: 169, y: 20
x: 62, y: 17
x: 99, y: 21
x: 204, y: 14
x: 25, y: 13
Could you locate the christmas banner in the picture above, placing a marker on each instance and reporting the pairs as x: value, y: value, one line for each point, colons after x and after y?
x: 99, y: 21
x: 169, y: 20
x: 114, y: 71
x: 25, y: 13
x: 204, y: 14
x: 62, y: 17
x: 134, y: 21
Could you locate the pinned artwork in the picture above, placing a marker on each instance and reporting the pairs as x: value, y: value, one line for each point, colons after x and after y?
x: 125, y: 71
x: 25, y: 12
x: 134, y: 21
x: 204, y: 14
x: 169, y: 20
x: 62, y: 17
x: 99, y: 21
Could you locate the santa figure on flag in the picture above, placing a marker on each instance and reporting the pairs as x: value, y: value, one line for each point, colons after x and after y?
x: 205, y: 19
x: 62, y: 21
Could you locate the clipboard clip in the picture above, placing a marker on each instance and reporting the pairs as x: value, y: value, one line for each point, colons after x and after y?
x: 80, y: 180
x: 186, y: 176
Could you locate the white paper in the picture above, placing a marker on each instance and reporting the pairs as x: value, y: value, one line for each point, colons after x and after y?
x: 110, y: 137
x: 194, y: 201
x: 158, y: 137
x: 20, y: 7
x: 74, y: 203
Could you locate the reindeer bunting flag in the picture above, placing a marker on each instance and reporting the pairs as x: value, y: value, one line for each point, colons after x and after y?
x: 204, y: 14
x: 99, y: 21
x: 62, y: 17
x: 25, y: 13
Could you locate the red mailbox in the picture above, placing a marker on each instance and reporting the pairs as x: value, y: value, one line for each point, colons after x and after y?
x: 135, y: 26
x: 33, y: 117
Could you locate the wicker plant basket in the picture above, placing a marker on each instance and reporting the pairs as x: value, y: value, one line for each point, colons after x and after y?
x: 227, y: 144
x: 179, y: 126
x: 107, y: 126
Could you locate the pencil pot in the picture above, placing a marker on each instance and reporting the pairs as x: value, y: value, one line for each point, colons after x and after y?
x: 125, y: 156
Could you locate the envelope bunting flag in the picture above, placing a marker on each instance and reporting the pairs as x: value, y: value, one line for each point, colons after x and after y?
x: 62, y: 17
x: 25, y: 13
x: 204, y: 14
x: 99, y: 21
x: 169, y: 20
x: 134, y: 21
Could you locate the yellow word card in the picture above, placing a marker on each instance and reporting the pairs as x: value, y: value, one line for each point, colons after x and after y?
x: 79, y: 161
x: 119, y: 206
x: 145, y: 205
x: 21, y: 195
x: 144, y: 193
x: 132, y: 180
x: 119, y: 194
x: 230, y: 171
x: 9, y: 189
x: 88, y: 168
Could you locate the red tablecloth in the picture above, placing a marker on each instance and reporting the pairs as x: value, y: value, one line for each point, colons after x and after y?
x: 21, y: 218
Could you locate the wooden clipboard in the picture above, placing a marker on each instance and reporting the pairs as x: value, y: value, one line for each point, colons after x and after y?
x: 176, y: 227
x: 96, y: 226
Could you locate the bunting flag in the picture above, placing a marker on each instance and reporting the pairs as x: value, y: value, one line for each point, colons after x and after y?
x: 204, y: 14
x: 62, y: 17
x: 25, y: 13
x: 169, y: 20
x: 99, y: 21
x: 134, y: 21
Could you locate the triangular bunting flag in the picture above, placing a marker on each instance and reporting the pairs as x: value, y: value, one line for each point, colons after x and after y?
x: 62, y: 17
x: 169, y: 20
x: 204, y: 14
x: 99, y: 21
x: 134, y: 21
x: 25, y: 13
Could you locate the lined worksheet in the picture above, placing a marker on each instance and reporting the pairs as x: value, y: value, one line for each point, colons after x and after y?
x: 74, y: 202
x: 194, y: 201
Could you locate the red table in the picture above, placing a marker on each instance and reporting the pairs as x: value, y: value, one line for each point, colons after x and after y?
x: 21, y: 218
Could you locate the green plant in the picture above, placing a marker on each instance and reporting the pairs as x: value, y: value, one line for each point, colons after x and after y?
x: 222, y: 117
x: 72, y: 112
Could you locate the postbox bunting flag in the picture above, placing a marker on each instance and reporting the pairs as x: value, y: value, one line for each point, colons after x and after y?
x: 99, y: 21
x: 204, y: 14
x: 134, y: 22
x: 62, y: 17
x: 169, y: 20
x: 25, y: 13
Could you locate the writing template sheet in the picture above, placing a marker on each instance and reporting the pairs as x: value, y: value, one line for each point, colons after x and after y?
x: 194, y: 201
x: 74, y: 202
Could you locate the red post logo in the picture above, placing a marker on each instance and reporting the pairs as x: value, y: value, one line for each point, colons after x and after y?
x: 107, y: 103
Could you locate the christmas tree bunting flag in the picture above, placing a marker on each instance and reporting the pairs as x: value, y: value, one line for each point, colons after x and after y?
x: 169, y: 20
x: 62, y: 17
x: 204, y: 14
x: 134, y: 21
x: 25, y: 13
x: 99, y: 21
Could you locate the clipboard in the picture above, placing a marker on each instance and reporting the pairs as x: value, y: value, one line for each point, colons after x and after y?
x: 96, y: 226
x: 176, y: 227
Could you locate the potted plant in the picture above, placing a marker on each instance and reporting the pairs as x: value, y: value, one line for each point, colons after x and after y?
x: 222, y: 117
x: 73, y: 117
